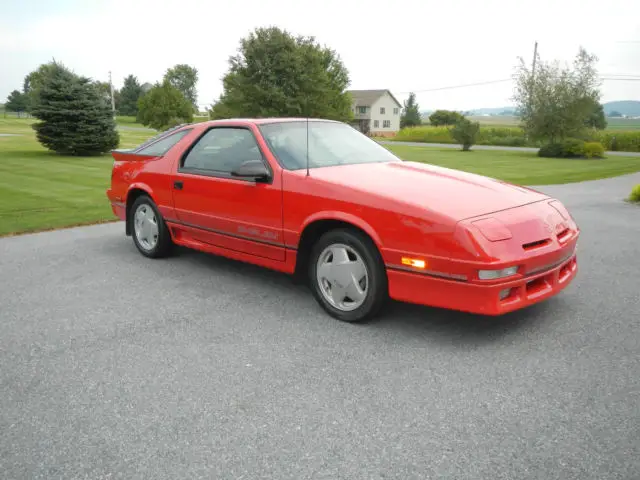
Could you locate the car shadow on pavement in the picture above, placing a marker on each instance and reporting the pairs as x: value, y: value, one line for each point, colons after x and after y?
x: 462, y: 327
x: 401, y: 319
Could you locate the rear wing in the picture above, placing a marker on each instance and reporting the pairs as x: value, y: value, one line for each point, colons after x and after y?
x: 130, y: 156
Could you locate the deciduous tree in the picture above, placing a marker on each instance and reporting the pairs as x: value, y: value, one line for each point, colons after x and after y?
x: 277, y: 74
x: 164, y: 106
x: 444, y: 117
x: 597, y: 119
x: 184, y: 78
x: 557, y: 101
x: 17, y: 102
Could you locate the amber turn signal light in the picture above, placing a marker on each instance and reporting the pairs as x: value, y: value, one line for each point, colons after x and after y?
x: 414, y: 262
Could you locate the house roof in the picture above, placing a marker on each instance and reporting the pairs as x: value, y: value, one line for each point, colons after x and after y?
x: 368, y: 97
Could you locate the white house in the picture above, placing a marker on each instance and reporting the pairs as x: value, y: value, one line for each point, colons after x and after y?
x: 376, y: 112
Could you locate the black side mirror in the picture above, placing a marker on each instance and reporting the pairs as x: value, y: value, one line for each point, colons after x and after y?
x: 254, y: 169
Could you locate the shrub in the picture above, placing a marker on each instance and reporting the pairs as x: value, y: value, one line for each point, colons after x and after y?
x: 465, y: 132
x: 635, y: 194
x: 593, y: 150
x: 569, y: 148
x: 551, y: 150
x: 572, y: 148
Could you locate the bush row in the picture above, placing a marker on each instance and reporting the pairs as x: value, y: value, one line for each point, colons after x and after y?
x: 514, y: 137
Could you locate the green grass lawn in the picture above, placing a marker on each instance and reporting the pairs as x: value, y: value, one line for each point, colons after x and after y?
x: 524, y: 168
x: 40, y: 190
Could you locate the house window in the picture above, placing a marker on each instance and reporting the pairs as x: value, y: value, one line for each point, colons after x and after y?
x: 376, y: 123
x: 386, y: 124
x: 362, y: 109
x: 382, y: 110
x: 395, y: 111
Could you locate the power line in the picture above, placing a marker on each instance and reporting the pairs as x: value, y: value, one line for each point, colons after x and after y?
x: 630, y: 78
x: 458, y: 86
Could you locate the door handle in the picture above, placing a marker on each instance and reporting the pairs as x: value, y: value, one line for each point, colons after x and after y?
x: 178, y: 185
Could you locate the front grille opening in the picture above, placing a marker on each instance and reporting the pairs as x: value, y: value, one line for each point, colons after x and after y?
x: 538, y: 285
x: 536, y: 244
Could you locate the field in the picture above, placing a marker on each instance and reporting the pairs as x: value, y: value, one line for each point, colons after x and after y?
x: 40, y: 190
x: 513, y: 136
x: 501, y: 121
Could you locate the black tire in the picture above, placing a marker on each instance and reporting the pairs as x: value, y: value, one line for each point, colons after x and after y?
x: 377, y: 292
x: 164, y: 244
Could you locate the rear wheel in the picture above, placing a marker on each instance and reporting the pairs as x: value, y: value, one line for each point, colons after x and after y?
x: 150, y: 234
x: 347, y: 275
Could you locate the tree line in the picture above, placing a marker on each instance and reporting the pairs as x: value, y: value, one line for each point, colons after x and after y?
x: 277, y: 74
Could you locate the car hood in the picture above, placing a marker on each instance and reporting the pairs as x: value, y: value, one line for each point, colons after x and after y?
x: 456, y: 194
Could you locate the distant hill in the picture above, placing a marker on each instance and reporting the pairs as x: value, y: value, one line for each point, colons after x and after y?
x: 493, y: 111
x: 630, y: 108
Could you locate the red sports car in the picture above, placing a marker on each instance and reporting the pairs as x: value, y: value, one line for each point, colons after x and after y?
x: 318, y: 199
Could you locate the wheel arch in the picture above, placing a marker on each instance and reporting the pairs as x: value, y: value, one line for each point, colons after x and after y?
x: 135, y: 191
x: 319, y: 224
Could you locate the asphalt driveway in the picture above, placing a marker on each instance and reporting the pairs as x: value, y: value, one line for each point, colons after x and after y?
x: 115, y: 366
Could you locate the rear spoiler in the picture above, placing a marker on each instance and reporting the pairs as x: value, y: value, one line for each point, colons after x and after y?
x: 130, y: 156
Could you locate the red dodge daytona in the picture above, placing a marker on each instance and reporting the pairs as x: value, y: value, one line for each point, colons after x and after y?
x: 320, y: 200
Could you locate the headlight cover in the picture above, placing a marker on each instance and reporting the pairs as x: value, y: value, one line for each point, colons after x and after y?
x: 496, y: 274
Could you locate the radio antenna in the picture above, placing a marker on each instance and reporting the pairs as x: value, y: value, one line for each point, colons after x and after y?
x: 307, y: 144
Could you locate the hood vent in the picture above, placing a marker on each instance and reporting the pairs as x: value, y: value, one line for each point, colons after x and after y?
x: 536, y: 244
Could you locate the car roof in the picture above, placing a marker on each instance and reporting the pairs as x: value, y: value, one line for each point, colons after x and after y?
x: 263, y: 121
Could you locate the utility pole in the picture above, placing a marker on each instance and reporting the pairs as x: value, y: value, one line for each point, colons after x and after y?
x: 113, y: 103
x: 535, y: 55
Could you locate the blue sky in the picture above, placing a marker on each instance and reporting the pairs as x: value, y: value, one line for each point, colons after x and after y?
x: 411, y: 45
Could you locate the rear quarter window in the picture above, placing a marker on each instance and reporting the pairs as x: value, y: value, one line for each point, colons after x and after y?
x: 162, y: 146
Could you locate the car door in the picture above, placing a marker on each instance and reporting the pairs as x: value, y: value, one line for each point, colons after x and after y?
x: 230, y: 212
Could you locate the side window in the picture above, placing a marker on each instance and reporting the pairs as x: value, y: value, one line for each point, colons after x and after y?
x: 222, y: 150
x: 161, y: 147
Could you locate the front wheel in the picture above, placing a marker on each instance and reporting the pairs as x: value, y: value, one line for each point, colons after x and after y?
x: 150, y: 234
x: 347, y: 275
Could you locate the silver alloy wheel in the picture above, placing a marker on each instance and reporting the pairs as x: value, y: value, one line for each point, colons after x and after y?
x: 145, y: 225
x: 342, y: 277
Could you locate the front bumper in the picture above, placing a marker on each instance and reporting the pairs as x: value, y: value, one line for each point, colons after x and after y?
x: 478, y: 297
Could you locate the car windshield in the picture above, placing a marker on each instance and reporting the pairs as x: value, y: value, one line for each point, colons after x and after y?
x: 330, y: 143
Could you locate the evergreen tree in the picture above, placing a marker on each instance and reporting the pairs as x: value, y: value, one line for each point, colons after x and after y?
x: 130, y: 93
x: 411, y: 113
x: 74, y: 117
